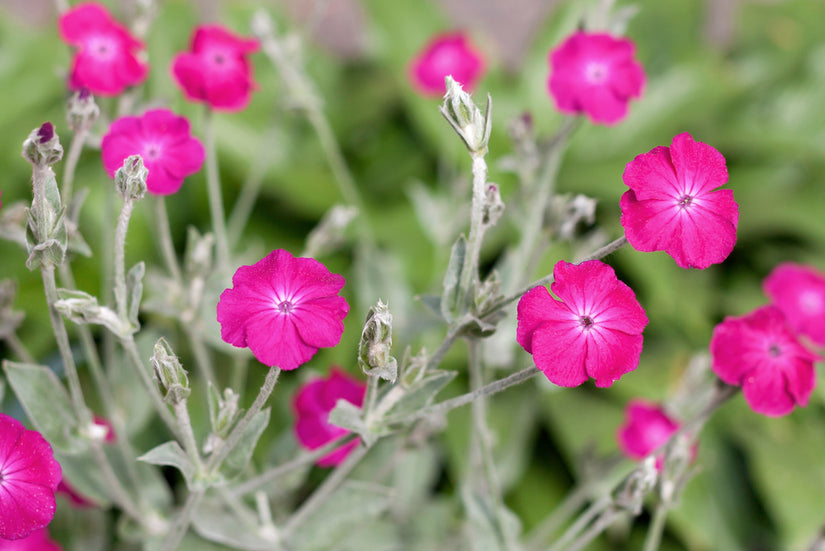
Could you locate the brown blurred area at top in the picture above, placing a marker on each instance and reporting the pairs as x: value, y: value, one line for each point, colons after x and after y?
x: 508, y: 26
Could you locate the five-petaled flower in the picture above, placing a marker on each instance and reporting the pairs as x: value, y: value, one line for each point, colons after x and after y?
x: 284, y: 309
x: 646, y: 427
x: 799, y: 292
x: 446, y: 54
x: 106, y: 61
x: 216, y: 70
x: 29, y: 476
x: 163, y: 140
x: 595, y: 330
x: 595, y: 74
x: 672, y: 206
x: 760, y: 352
x: 38, y: 540
x: 311, y: 406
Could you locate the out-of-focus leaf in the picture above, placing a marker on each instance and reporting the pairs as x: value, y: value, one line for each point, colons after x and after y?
x: 239, y: 457
x: 172, y: 455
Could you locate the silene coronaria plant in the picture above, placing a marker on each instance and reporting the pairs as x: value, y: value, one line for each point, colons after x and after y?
x: 280, y: 351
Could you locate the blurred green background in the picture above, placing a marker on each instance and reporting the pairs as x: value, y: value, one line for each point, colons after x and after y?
x: 747, y: 77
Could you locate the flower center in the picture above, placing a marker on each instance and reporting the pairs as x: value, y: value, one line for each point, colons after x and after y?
x: 774, y: 351
x: 219, y: 59
x: 685, y: 201
x: 586, y: 322
x: 102, y: 47
x: 285, y: 307
x: 152, y: 152
x: 595, y: 72
x: 810, y: 302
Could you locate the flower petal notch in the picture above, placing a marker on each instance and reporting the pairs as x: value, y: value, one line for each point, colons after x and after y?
x: 672, y: 206
x: 446, y: 55
x: 284, y: 309
x: 311, y: 406
x: 107, y: 58
x: 595, y: 330
x: 595, y: 74
x: 29, y: 476
x: 646, y: 428
x: 799, y: 292
x: 760, y: 352
x: 164, y: 142
x: 216, y: 70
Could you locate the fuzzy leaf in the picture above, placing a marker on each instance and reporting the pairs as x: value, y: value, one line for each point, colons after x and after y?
x: 422, y: 392
x: 171, y: 454
x: 450, y: 308
x: 240, y: 455
x: 134, y: 284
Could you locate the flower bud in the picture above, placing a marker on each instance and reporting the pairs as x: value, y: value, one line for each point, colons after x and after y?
x: 376, y: 342
x: 465, y: 118
x: 81, y: 110
x: 493, y: 206
x: 42, y: 148
x: 631, y: 494
x: 169, y: 373
x: 130, y: 179
x: 198, y: 256
x: 223, y: 411
x: 565, y: 212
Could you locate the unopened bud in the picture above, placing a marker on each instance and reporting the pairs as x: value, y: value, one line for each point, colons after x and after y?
x: 376, y: 343
x: 130, y: 179
x: 42, y: 148
x: 81, y: 110
x: 223, y: 410
x: 465, y: 118
x: 169, y: 373
x: 487, y: 292
x: 631, y: 493
x: 493, y: 206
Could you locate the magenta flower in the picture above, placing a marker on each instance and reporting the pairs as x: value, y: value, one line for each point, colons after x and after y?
x: 37, y: 541
x: 311, y: 406
x: 760, y: 352
x: 284, y: 309
x: 216, y: 70
x: 646, y: 427
x: 799, y: 292
x: 106, y: 61
x: 671, y: 205
x: 595, y: 74
x: 163, y: 140
x: 28, y: 478
x: 595, y: 330
x: 446, y: 54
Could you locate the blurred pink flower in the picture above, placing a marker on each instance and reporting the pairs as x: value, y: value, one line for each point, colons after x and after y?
x: 311, y: 406
x: 29, y: 476
x: 70, y: 492
x: 284, y: 309
x: 646, y: 427
x: 446, y: 54
x: 799, y: 292
x: 595, y: 74
x: 37, y: 541
x: 216, y: 70
x: 163, y: 140
x: 672, y: 206
x: 595, y: 330
x: 106, y: 61
x: 760, y: 352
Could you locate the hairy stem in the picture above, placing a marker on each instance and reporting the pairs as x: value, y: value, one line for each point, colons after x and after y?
x: 213, y: 186
x: 167, y: 245
x: 657, y: 527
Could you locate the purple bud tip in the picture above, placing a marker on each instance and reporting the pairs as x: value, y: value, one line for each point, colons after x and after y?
x: 45, y: 133
x: 83, y: 94
x: 492, y: 188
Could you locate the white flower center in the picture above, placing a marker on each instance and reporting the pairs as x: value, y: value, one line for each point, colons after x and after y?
x: 285, y: 307
x: 810, y: 302
x: 595, y: 72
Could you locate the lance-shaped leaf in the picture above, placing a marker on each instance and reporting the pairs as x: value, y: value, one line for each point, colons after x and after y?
x: 82, y: 308
x: 421, y: 392
x: 172, y: 455
x: 239, y: 457
x: 450, y: 308
x: 134, y: 285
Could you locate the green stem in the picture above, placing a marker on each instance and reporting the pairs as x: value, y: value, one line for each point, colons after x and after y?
x: 257, y: 482
x: 70, y: 162
x: 202, y: 357
x: 167, y: 245
x: 18, y: 348
x: 213, y: 186
x: 605, y: 519
x: 575, y: 530
x: 120, y: 258
x: 322, y: 493
x: 656, y: 528
x: 190, y: 446
x: 487, y: 390
x: 469, y: 271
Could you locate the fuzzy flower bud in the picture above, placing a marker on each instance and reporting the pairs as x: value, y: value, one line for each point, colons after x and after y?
x: 130, y: 179
x: 376, y: 342
x: 169, y: 373
x: 223, y: 410
x: 81, y: 110
x: 493, y: 206
x: 631, y: 494
x: 42, y: 148
x: 465, y: 118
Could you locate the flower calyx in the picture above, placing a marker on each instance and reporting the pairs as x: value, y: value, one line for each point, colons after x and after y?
x: 465, y: 117
x: 169, y: 373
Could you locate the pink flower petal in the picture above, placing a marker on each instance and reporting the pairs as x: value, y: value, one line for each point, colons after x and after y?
x: 611, y: 354
x: 559, y: 350
x: 534, y: 308
x: 799, y: 292
x: 76, y: 24
x: 700, y: 167
x: 449, y: 54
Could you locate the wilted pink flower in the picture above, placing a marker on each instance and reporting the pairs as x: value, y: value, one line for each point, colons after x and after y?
x: 595, y: 74
x: 760, y: 352
x: 106, y: 60
x: 311, y: 406
x: 595, y: 330
x: 671, y: 205
x: 216, y: 70
x: 28, y: 478
x: 37, y: 541
x: 284, y: 309
x: 163, y: 140
x: 799, y: 292
x: 646, y: 427
x: 446, y: 54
